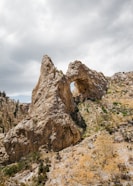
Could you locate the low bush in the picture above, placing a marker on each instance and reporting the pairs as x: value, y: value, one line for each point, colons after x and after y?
x: 11, y: 170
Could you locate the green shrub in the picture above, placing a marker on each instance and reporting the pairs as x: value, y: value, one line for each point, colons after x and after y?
x: 104, y: 110
x: 125, y: 112
x: 22, y: 164
x: 42, y: 172
x: 11, y: 170
x: 116, y: 103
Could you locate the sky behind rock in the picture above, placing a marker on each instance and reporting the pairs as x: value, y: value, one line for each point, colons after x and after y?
x: 98, y: 32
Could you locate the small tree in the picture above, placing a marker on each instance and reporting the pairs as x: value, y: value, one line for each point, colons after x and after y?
x: 4, y: 94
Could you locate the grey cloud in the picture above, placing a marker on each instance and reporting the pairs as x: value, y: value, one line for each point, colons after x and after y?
x: 72, y: 8
x: 97, y: 32
x: 12, y: 80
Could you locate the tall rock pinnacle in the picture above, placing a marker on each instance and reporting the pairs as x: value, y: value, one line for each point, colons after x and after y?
x: 50, y: 121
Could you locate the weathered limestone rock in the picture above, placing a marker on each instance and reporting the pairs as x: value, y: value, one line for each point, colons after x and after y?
x: 89, y: 84
x: 54, y: 89
x: 50, y: 122
x: 3, y: 155
x: 11, y: 112
x: 54, y: 119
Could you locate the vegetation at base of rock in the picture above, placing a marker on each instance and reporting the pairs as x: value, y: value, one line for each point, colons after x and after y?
x: 41, y: 177
x: 26, y: 164
x: 104, y: 115
x: 23, y: 164
x: 42, y: 173
x: 12, y: 169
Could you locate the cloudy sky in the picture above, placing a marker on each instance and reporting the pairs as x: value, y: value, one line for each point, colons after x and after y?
x: 97, y: 32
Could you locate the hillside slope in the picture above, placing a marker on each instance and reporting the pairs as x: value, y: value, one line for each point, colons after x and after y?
x: 104, y: 156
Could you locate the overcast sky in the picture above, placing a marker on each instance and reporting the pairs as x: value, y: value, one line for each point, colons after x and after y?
x: 97, y: 32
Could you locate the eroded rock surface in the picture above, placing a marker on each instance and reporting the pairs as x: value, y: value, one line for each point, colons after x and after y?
x: 103, y: 157
x: 3, y: 155
x: 54, y: 119
x: 92, y: 162
x: 11, y: 112
x: 89, y: 84
x: 49, y: 122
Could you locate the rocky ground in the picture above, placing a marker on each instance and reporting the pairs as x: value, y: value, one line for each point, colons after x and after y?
x: 103, y: 156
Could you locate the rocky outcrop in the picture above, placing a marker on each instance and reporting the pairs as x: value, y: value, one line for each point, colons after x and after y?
x: 107, y: 143
x: 109, y: 146
x: 54, y: 119
x: 3, y: 155
x: 89, y: 84
x: 11, y: 112
x: 50, y: 122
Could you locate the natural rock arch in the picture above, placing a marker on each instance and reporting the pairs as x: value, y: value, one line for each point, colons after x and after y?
x: 89, y: 84
x: 54, y: 119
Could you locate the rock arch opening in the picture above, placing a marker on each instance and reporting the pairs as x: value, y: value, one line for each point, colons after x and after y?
x: 89, y: 83
x: 73, y: 88
x: 80, y: 90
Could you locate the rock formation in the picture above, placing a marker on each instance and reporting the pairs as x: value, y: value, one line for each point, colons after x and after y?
x: 3, y: 155
x: 54, y: 119
x: 107, y: 143
x: 89, y: 84
x: 11, y: 112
